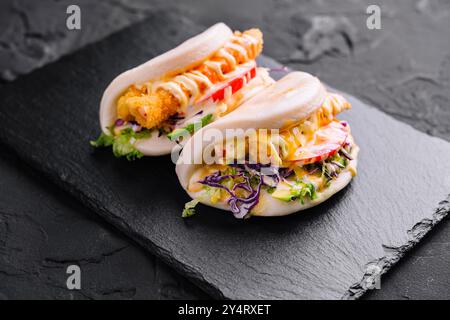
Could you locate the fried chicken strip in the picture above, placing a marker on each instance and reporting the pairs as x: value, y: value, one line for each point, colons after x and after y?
x: 150, y: 109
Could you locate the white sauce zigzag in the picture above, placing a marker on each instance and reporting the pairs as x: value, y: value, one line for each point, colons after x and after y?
x: 245, y: 45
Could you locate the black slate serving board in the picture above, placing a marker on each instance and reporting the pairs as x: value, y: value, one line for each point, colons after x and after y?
x: 49, y: 116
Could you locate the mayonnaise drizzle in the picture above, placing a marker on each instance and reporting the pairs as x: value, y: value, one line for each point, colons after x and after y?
x: 222, y: 53
x: 239, y: 48
x: 244, y: 44
x: 216, y: 66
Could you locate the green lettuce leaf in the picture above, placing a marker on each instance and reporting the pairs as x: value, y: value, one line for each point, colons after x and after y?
x: 103, y: 140
x: 189, y: 208
x: 302, y: 190
x: 123, y: 144
x: 190, y: 128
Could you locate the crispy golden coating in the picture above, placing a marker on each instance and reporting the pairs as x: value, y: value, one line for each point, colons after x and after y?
x: 256, y: 34
x: 147, y: 110
x: 152, y: 109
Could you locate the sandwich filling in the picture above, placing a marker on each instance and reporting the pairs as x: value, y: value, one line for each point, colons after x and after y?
x: 295, y: 164
x: 178, y: 101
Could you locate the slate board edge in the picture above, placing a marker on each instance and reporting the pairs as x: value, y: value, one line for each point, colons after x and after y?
x: 118, y: 224
x: 356, y: 290
x: 378, y: 267
x: 35, y: 168
x: 416, y: 233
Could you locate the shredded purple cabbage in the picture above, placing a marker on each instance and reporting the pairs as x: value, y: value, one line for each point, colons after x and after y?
x: 285, y: 172
x: 279, y: 69
x: 176, y: 117
x: 238, y: 205
x: 119, y: 122
x: 136, y: 127
x: 173, y: 120
x: 266, y: 174
x: 346, y: 154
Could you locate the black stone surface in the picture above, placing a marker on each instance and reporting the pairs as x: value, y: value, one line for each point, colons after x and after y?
x: 57, y: 145
x: 34, y: 33
x: 43, y: 231
x: 409, y: 56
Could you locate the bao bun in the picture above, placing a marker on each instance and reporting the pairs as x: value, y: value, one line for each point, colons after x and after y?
x: 289, y: 100
x: 185, y: 56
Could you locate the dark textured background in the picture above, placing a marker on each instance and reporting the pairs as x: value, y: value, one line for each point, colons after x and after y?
x: 404, y: 69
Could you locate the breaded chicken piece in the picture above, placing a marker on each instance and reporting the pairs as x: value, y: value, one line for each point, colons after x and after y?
x: 256, y: 34
x: 147, y: 110
x: 150, y: 110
